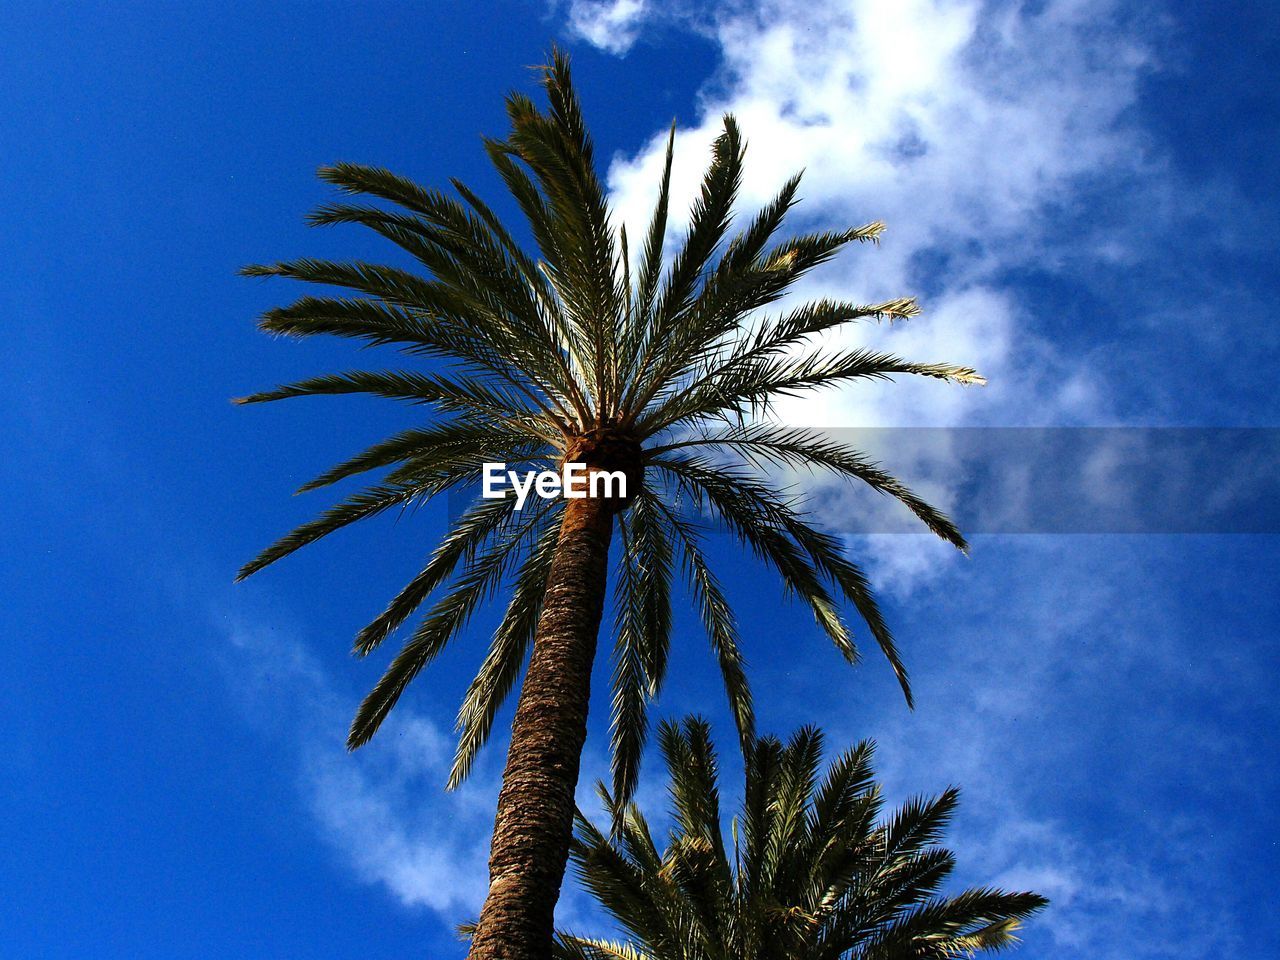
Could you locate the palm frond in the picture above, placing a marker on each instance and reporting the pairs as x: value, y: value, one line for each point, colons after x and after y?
x: 800, y: 553
x: 750, y: 387
x: 568, y: 947
x: 728, y: 297
x: 642, y: 638
x: 455, y: 393
x: 507, y: 652
x: 981, y: 919
x: 366, y: 503
x: 457, y: 445
x: 708, y: 222
x: 767, y: 445
x: 717, y: 620
x: 476, y: 258
x: 813, y: 879
x: 373, y: 321
x: 748, y: 510
x: 650, y: 272
x: 441, y: 624
x: 460, y: 544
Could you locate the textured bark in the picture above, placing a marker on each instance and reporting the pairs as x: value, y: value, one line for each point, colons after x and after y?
x: 535, y: 807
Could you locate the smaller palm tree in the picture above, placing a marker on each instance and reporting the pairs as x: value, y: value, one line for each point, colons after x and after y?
x: 813, y: 873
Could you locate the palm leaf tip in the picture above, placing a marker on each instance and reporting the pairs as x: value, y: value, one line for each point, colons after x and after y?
x: 967, y: 376
x: 867, y: 233
x: 902, y: 308
x: 262, y: 396
x: 259, y: 562
x: 359, y: 734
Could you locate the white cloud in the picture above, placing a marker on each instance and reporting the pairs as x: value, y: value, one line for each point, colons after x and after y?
x: 611, y: 25
x: 970, y: 128
x: 959, y: 124
x: 383, y: 809
x: 1048, y: 701
x: 389, y: 816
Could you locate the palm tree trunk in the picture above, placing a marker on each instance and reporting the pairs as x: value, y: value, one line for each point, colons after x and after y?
x: 536, y: 805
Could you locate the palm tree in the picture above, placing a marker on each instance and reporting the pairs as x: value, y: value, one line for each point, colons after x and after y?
x: 569, y: 356
x: 813, y: 873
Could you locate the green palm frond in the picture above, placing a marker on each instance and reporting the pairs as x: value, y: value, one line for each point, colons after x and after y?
x: 507, y: 653
x: 359, y: 506
x: 768, y: 445
x: 743, y: 388
x: 733, y: 291
x: 453, y: 394
x: 717, y: 620
x: 642, y: 637
x: 650, y: 272
x: 376, y: 322
x: 568, y: 947
x: 443, y: 621
x: 757, y: 516
x: 814, y: 877
x: 472, y: 530
x: 452, y: 447
x: 708, y: 221
x: 803, y: 556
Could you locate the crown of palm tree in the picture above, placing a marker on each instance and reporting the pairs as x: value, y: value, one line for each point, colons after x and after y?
x: 814, y: 872
x: 665, y: 370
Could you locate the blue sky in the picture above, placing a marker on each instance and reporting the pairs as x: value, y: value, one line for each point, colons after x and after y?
x: 1083, y: 195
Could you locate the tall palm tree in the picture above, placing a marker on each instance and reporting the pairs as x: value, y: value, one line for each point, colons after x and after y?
x: 814, y: 873
x: 661, y: 373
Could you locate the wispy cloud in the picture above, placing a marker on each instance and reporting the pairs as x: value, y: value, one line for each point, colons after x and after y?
x: 382, y: 809
x: 977, y: 132
x: 1061, y: 699
x: 962, y: 125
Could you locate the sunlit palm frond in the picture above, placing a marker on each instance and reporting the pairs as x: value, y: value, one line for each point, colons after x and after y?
x: 812, y: 876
